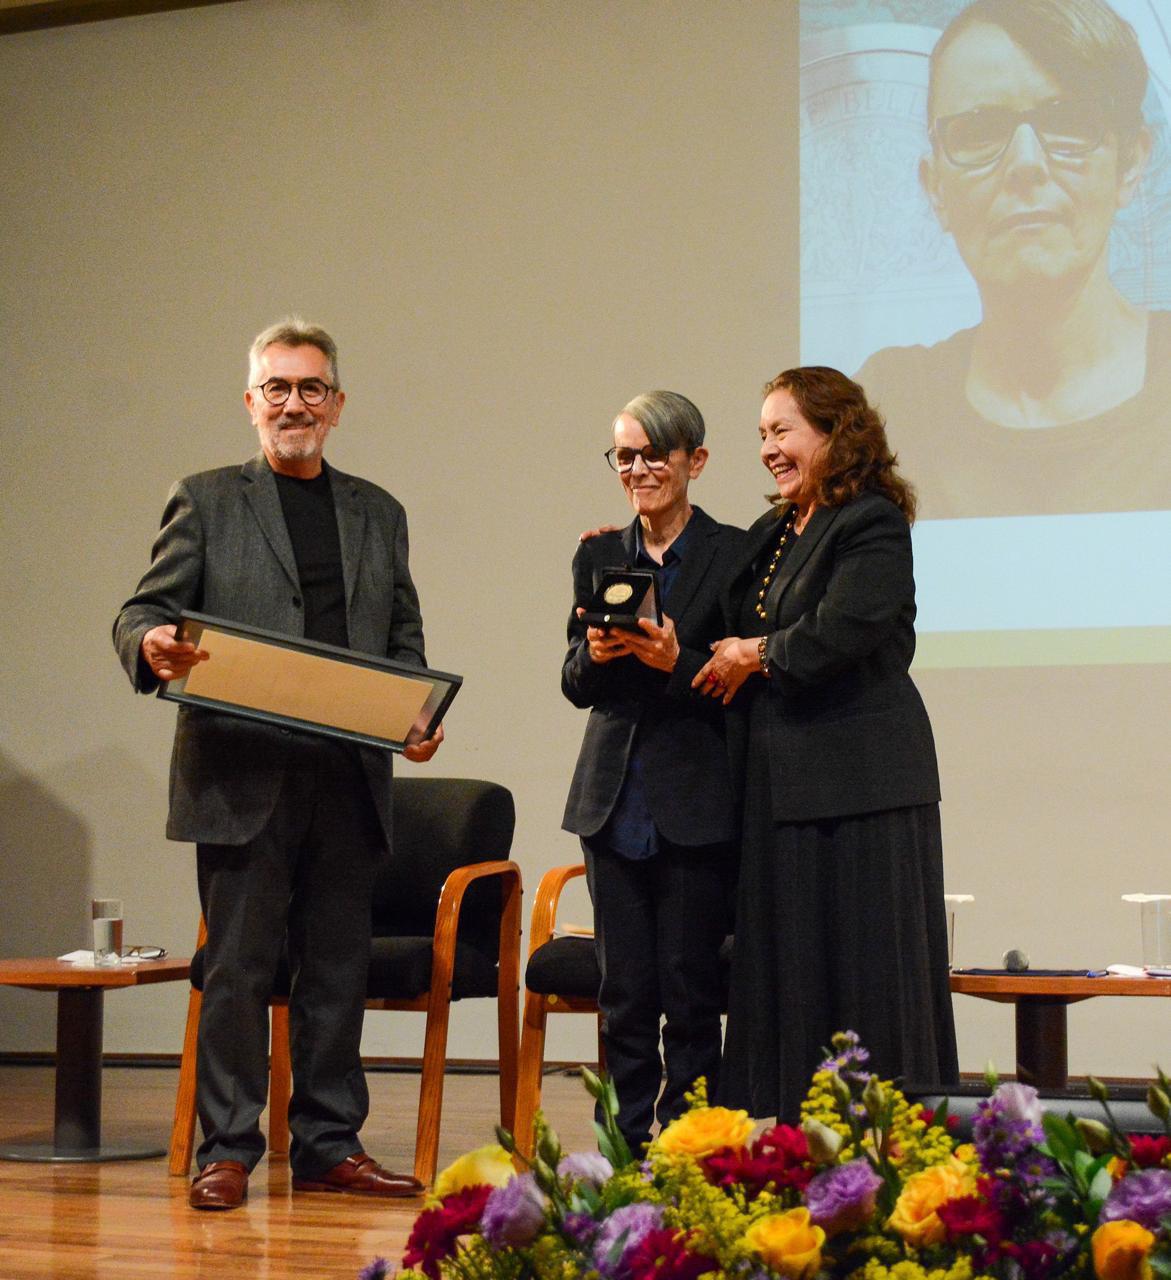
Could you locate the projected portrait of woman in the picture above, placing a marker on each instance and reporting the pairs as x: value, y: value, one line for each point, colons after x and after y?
x: 1058, y: 399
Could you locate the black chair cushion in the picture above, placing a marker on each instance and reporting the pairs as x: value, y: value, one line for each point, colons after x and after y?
x: 400, y: 969
x: 569, y: 967
x: 565, y: 967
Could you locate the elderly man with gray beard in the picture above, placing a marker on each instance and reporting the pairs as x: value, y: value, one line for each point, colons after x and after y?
x: 289, y: 827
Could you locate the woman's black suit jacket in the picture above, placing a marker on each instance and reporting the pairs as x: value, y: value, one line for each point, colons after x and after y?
x: 847, y: 731
x: 681, y: 735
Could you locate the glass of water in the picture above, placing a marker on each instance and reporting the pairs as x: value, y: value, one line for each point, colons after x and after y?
x: 107, y: 918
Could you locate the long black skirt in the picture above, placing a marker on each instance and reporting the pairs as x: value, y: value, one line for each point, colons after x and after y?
x: 840, y: 925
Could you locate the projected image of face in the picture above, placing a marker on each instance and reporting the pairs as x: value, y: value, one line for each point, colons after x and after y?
x: 986, y: 246
x: 1034, y: 158
x: 1026, y: 173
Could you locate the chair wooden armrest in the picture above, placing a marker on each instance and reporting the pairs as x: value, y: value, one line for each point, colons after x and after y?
x: 451, y: 901
x: 545, y: 905
x: 439, y: 1002
x: 537, y: 1006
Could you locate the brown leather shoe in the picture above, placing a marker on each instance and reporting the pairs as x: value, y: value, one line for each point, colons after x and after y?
x: 223, y: 1184
x: 361, y: 1175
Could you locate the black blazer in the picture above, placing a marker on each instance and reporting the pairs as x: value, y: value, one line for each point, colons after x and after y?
x: 847, y: 729
x: 688, y: 781
x: 224, y: 549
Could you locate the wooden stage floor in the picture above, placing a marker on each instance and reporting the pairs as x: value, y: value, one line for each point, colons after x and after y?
x: 130, y: 1221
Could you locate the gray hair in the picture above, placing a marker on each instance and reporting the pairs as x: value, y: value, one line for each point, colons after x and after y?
x: 293, y: 332
x: 670, y: 420
x: 1079, y: 43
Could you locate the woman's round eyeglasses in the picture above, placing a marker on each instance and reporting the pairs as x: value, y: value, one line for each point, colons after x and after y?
x: 623, y: 460
x: 277, y: 390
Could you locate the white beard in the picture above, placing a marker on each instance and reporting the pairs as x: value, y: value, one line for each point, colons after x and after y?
x: 299, y: 447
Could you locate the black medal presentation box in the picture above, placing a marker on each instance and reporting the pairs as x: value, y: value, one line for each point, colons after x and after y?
x: 623, y: 597
x: 313, y: 687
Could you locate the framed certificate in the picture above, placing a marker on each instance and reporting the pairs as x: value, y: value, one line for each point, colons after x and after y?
x: 306, y: 685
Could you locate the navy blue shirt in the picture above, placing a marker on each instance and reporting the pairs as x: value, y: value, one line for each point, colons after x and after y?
x: 630, y: 830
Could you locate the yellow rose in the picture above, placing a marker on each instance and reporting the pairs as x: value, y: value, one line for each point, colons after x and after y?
x: 486, y: 1166
x: 787, y: 1243
x: 1120, y: 1251
x: 698, y: 1133
x: 915, y: 1217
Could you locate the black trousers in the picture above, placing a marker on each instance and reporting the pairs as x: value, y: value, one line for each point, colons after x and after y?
x: 307, y: 876
x: 658, y: 926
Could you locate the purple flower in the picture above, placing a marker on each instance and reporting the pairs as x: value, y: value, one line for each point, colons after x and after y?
x: 379, y: 1269
x: 842, y: 1198
x: 621, y: 1234
x: 579, y: 1228
x: 591, y: 1167
x: 850, y: 1059
x: 1003, y: 1130
x: 514, y: 1213
x: 1143, y: 1197
x: 1064, y: 1244
x: 1032, y: 1173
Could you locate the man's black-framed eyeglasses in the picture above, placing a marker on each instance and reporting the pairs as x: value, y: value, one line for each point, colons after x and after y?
x: 277, y: 390
x: 623, y: 460
x: 1065, y: 127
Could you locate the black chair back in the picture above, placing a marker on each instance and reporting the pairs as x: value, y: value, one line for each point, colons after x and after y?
x: 441, y: 824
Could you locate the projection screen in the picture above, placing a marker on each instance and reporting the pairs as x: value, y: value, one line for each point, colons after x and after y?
x: 986, y: 246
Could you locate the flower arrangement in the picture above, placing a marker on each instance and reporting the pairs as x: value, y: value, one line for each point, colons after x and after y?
x: 868, y: 1187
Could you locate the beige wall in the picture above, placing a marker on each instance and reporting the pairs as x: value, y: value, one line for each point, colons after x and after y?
x: 514, y: 216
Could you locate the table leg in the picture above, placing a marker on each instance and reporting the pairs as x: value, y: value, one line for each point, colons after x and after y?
x: 77, y: 1106
x: 1042, y: 1047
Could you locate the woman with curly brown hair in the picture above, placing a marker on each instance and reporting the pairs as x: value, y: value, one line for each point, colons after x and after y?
x: 840, y: 920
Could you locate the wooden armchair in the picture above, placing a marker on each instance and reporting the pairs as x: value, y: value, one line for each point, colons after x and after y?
x: 446, y: 927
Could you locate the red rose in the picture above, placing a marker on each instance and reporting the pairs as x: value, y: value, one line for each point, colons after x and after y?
x: 1147, y: 1151
x: 780, y: 1157
x: 784, y: 1142
x: 434, y: 1235
x: 1036, y: 1258
x: 971, y: 1216
x: 662, y: 1254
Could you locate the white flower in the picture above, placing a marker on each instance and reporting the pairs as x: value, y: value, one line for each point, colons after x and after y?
x: 586, y: 1166
x: 1020, y: 1102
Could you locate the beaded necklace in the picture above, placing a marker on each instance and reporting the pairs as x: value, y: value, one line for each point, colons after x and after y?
x: 786, y: 529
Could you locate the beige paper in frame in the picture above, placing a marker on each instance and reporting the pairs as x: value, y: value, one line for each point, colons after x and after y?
x: 280, y: 679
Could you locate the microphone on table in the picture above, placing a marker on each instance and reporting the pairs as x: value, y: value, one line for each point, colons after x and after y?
x: 1015, y: 960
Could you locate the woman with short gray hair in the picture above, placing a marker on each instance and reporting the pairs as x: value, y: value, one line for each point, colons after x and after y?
x: 651, y: 798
